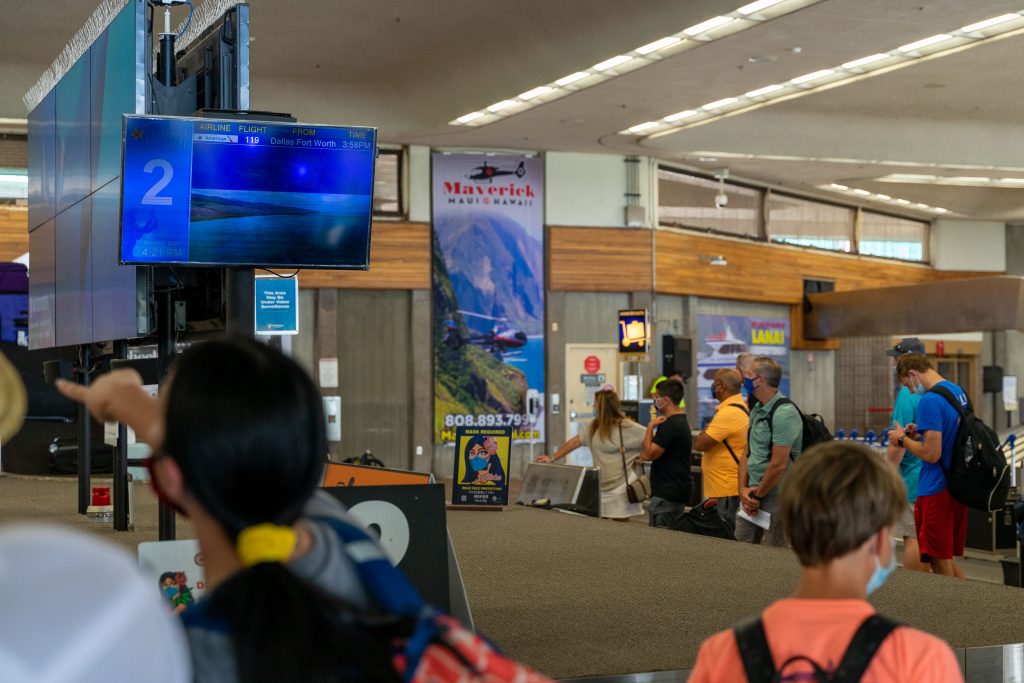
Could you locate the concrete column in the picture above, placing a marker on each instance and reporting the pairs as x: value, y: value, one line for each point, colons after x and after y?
x: 422, y: 381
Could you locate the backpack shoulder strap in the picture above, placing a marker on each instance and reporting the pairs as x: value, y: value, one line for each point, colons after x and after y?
x: 386, y: 584
x: 725, y: 442
x: 752, y: 644
x: 740, y: 406
x: 862, y: 649
x: 771, y: 421
x: 950, y: 398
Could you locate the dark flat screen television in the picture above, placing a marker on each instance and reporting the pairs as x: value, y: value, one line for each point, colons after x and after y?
x: 217, y: 192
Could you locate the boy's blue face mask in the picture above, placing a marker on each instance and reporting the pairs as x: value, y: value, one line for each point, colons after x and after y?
x: 170, y: 591
x: 882, y: 573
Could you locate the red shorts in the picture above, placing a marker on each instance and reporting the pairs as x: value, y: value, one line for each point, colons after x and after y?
x: 941, y: 526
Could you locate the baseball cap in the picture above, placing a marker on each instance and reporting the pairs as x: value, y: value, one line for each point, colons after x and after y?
x: 906, y: 345
x: 76, y: 608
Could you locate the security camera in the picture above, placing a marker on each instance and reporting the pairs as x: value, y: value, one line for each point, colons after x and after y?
x: 721, y: 200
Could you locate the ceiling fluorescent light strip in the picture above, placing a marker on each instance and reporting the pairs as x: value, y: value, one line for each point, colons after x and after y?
x: 884, y: 198
x: 744, y: 17
x: 926, y: 48
x: 860, y: 162
x: 959, y: 181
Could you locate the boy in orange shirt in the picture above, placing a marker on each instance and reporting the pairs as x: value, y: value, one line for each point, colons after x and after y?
x: 839, y: 505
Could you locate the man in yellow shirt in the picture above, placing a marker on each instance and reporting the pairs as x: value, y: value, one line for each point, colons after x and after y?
x: 723, y: 443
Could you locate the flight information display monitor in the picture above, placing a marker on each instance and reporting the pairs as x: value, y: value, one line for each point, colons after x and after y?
x: 216, y: 192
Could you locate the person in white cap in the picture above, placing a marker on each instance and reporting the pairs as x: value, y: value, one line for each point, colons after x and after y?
x: 77, y: 609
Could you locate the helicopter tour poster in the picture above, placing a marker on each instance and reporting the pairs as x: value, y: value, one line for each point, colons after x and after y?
x: 722, y: 338
x: 488, y: 294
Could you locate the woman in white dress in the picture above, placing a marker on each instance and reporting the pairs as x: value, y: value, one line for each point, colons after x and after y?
x: 606, y: 435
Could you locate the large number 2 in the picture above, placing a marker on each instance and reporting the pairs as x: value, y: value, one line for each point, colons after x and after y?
x: 153, y: 195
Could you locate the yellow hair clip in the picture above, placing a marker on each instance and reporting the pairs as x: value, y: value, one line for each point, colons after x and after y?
x: 265, y: 543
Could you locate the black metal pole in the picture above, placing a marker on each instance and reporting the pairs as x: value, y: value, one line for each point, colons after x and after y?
x: 165, y: 59
x: 241, y: 299
x: 120, y: 492
x: 84, y: 436
x: 165, y: 351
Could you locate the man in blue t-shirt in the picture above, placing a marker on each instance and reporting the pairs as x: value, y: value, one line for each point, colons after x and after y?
x: 941, y: 519
x: 905, y: 413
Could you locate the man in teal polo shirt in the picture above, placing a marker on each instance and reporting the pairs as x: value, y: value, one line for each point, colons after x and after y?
x: 776, y: 436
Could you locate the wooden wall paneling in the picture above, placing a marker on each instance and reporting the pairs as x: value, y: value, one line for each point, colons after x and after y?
x: 13, y: 233
x: 772, y: 273
x: 599, y: 259
x: 399, y: 259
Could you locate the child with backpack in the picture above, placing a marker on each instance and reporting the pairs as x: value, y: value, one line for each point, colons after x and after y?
x: 838, y: 508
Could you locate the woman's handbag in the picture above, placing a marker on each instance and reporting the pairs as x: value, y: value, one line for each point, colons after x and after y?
x: 638, y: 490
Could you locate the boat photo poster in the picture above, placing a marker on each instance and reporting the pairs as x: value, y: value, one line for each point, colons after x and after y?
x: 723, y: 337
x: 488, y: 294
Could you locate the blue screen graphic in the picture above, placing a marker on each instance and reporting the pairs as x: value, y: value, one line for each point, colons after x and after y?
x: 214, y: 192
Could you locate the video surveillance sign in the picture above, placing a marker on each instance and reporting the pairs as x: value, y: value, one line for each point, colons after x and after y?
x: 277, y: 305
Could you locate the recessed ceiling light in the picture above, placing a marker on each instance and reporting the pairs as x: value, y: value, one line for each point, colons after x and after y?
x: 572, y: 78
x: 536, y: 92
x: 902, y: 201
x: 926, y: 42
x: 837, y: 186
x: 864, y: 61
x: 989, y: 23
x: 764, y: 91
x: 882, y: 196
x: 718, y: 104
x: 473, y: 116
x: 618, y: 60
x: 814, y: 76
x: 658, y: 45
x: 861, y: 192
x: 680, y: 115
x: 498, y: 106
x: 710, y: 24
x: 757, y: 6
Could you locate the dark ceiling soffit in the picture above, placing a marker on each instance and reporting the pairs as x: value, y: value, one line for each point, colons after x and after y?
x: 979, y: 304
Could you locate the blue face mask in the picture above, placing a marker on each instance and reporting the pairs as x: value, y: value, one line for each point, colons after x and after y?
x: 919, y: 389
x: 882, y: 573
x: 748, y: 384
x: 478, y: 464
x: 170, y: 592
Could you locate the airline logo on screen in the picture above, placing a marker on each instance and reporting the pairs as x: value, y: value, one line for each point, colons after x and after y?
x: 482, y: 189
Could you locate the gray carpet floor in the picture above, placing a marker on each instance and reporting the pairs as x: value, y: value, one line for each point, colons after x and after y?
x: 575, y: 597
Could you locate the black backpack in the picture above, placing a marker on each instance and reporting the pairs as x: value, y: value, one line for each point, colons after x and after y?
x: 703, y: 520
x: 814, y: 431
x: 760, y: 667
x: 978, y: 475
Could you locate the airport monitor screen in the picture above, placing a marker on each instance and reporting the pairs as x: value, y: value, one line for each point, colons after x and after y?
x: 215, y: 192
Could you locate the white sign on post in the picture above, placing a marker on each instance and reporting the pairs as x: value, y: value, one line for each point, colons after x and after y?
x: 1010, y: 393
x: 328, y: 373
